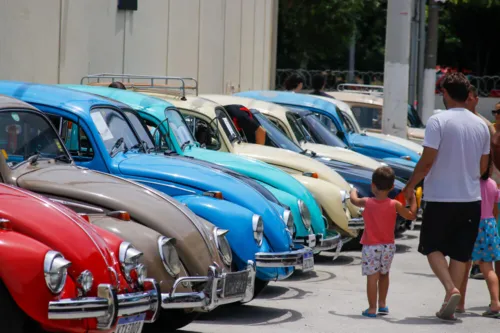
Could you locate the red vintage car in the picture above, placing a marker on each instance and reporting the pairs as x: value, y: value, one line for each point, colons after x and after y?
x: 59, y: 273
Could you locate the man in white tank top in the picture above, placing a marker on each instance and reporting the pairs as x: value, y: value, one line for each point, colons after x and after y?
x: 456, y: 152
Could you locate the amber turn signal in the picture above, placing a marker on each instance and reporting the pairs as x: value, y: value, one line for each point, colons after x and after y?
x: 120, y: 214
x: 214, y: 194
x: 311, y: 174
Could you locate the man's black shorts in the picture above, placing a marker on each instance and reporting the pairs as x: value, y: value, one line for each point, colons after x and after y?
x: 450, y: 228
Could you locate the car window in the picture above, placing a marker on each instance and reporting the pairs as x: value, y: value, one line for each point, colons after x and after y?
x: 274, y: 136
x: 140, y: 128
x: 368, y: 117
x: 113, y: 128
x: 278, y: 125
x: 203, y: 132
x: 320, y: 132
x: 178, y: 126
x: 25, y: 133
x: 75, y: 139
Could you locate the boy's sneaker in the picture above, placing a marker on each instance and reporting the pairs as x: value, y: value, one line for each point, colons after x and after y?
x: 475, y: 273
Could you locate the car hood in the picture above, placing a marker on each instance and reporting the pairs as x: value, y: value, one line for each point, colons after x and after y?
x: 60, y: 229
x: 342, y: 154
x: 145, y: 205
x: 415, y: 147
x: 289, y: 160
x: 375, y: 143
x: 184, y: 172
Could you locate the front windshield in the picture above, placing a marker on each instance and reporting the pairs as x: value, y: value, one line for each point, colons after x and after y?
x: 24, y: 134
x: 275, y: 135
x: 414, y: 118
x: 114, y: 129
x: 179, y: 127
x: 320, y: 132
x: 140, y: 129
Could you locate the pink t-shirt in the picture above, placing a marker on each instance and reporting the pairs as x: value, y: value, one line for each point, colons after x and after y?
x: 380, y: 221
x: 489, y: 198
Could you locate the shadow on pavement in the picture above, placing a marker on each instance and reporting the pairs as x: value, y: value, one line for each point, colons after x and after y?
x: 429, y: 275
x: 401, y: 248
x: 249, y: 315
x: 407, y: 237
x: 342, y: 260
x: 278, y: 293
x: 422, y: 320
x: 316, y: 276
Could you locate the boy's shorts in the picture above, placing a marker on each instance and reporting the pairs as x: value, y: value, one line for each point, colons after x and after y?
x: 377, y: 258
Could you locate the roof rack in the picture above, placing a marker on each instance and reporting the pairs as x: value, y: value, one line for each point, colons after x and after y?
x: 361, y: 88
x: 144, y: 82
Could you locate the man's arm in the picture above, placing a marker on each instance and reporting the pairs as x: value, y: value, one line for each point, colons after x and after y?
x: 422, y: 168
x: 260, y: 136
x: 485, y: 160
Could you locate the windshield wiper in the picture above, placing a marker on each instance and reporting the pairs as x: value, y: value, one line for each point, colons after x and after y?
x: 63, y: 158
x: 117, y: 145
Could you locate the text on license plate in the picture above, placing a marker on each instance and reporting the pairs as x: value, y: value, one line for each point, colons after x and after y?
x: 308, y: 262
x: 235, y: 284
x: 131, y: 324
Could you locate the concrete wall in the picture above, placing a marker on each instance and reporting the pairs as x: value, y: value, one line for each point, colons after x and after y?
x: 220, y: 42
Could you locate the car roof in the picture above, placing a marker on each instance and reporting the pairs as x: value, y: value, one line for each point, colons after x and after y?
x: 357, y: 97
x: 138, y: 101
x: 74, y: 101
x: 7, y: 102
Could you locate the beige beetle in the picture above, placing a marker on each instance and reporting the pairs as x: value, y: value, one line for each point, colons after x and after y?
x: 329, y: 188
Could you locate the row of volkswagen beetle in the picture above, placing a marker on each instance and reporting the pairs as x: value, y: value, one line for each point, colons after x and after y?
x: 147, y: 205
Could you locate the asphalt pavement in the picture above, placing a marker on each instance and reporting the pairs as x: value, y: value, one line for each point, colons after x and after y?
x: 331, y: 300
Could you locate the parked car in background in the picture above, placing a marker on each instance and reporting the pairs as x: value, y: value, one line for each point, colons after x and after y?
x: 60, y: 273
x: 164, y: 119
x: 101, y: 137
x: 367, y: 107
x: 183, y: 254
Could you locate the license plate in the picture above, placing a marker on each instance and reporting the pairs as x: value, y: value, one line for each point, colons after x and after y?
x: 235, y: 284
x: 308, y: 262
x: 131, y: 324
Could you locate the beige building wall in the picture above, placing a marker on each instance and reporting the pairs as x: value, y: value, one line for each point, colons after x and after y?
x: 222, y: 43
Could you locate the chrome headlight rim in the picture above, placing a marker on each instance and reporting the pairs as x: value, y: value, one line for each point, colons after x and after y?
x: 223, y: 246
x: 170, y: 259
x: 55, y: 269
x: 129, y: 257
x: 85, y: 281
x: 289, y: 222
x: 258, y: 229
x: 305, y: 214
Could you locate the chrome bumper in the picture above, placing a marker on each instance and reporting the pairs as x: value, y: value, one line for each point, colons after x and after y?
x: 215, y: 292
x: 293, y: 258
x: 329, y: 243
x: 309, y: 240
x: 357, y: 223
x: 108, y: 305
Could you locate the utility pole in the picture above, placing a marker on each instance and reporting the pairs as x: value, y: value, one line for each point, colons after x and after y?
x: 412, y: 92
x: 429, y: 89
x: 421, y: 55
x: 396, y: 71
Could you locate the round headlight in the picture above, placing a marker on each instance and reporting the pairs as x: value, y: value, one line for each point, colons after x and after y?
x: 85, y: 281
x: 258, y: 229
x: 288, y: 218
x: 223, y: 246
x: 169, y: 255
x: 129, y: 259
x: 55, y: 269
x: 141, y: 274
x: 305, y: 214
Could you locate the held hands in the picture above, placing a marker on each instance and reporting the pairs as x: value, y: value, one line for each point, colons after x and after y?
x: 409, y: 192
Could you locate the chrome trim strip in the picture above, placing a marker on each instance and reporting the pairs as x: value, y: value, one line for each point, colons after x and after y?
x: 324, y: 244
x: 282, y: 259
x: 79, y: 205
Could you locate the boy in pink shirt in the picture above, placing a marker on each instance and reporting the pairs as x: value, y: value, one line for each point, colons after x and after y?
x: 378, y: 237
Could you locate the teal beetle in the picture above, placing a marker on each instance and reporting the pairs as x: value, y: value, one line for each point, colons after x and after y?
x: 158, y: 113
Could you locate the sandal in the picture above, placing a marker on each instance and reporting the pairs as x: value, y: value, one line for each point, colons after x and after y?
x: 460, y: 310
x: 491, y: 314
x: 369, y: 315
x: 383, y: 311
x: 447, y: 311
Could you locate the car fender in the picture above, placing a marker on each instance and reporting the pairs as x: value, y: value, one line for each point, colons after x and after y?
x: 145, y: 240
x: 21, y: 271
x: 226, y: 215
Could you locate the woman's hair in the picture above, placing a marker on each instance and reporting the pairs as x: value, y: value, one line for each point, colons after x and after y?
x: 487, y: 173
x: 293, y: 82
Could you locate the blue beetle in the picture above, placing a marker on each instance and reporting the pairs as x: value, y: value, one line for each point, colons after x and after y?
x: 102, y: 137
x: 359, y: 142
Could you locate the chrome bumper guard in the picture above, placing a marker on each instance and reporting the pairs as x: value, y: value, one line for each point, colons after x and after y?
x: 219, y: 290
x: 329, y: 243
x: 357, y: 223
x: 293, y: 258
x: 309, y: 240
x: 109, y: 305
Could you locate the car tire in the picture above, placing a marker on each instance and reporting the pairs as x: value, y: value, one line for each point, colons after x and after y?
x: 171, y: 320
x: 259, y: 286
x: 12, y: 318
